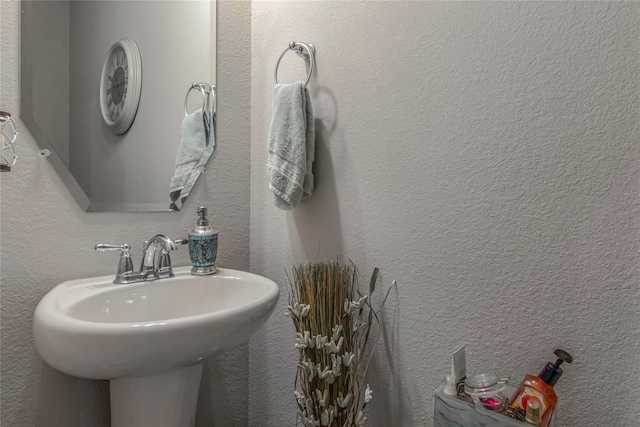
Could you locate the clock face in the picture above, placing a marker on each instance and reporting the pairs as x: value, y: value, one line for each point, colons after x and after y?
x: 120, y: 85
x: 116, y: 84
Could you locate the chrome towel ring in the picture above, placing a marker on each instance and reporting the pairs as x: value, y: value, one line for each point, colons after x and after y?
x: 299, y: 48
x: 208, y: 92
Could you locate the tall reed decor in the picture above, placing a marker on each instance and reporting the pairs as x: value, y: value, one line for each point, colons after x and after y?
x: 333, y: 321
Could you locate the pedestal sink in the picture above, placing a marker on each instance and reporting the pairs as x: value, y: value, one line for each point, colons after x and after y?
x: 150, y: 339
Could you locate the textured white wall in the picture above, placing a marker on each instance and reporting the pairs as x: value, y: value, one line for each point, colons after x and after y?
x: 47, y: 238
x: 486, y: 156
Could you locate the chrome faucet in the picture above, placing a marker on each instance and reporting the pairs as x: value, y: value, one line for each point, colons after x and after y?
x: 156, y: 263
x: 155, y: 257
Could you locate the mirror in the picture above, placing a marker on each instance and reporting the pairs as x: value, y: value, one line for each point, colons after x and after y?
x: 64, y: 48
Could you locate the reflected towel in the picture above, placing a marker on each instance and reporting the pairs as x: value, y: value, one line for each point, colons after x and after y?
x: 291, y: 145
x: 194, y: 149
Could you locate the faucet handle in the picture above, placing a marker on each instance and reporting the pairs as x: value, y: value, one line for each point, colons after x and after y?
x: 102, y: 247
x: 125, y: 264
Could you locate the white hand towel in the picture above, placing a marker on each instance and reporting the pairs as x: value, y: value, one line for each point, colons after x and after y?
x: 194, y: 149
x: 291, y: 145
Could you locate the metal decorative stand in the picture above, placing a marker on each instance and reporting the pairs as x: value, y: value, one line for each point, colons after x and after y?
x: 8, y: 135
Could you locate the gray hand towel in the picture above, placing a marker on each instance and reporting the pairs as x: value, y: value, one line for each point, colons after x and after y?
x: 194, y: 149
x: 291, y: 145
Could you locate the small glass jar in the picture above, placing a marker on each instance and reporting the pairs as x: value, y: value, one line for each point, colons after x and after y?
x: 486, y: 390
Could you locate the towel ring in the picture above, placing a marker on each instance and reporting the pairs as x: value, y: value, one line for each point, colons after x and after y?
x: 299, y: 48
x: 208, y: 92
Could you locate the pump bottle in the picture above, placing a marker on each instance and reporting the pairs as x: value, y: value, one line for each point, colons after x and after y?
x: 541, y: 388
x: 203, y: 245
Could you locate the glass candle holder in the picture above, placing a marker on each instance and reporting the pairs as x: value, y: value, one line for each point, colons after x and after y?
x: 486, y: 390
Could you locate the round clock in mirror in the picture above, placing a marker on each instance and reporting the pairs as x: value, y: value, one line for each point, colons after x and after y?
x: 120, y: 85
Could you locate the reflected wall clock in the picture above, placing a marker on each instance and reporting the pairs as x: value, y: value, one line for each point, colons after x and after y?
x: 120, y: 85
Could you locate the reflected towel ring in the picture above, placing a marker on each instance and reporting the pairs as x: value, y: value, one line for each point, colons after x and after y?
x: 208, y: 92
x: 201, y: 88
x: 299, y: 48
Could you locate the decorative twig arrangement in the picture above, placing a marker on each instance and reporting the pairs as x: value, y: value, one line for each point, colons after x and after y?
x: 333, y: 322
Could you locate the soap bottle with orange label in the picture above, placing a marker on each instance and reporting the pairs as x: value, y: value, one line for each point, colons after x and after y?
x: 540, y: 387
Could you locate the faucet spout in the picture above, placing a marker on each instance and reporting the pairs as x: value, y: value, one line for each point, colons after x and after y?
x: 155, y: 258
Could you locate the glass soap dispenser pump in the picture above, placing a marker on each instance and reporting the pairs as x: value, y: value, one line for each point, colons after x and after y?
x: 203, y: 245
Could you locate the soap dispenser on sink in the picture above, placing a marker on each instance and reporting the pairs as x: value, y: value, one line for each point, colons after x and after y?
x: 203, y: 245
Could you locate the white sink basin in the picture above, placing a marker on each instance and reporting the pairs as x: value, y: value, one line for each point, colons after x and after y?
x: 147, y: 332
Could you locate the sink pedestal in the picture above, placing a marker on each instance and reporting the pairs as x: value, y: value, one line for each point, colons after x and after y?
x: 167, y: 399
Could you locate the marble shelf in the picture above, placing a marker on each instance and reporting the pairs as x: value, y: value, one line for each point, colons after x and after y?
x: 449, y: 411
